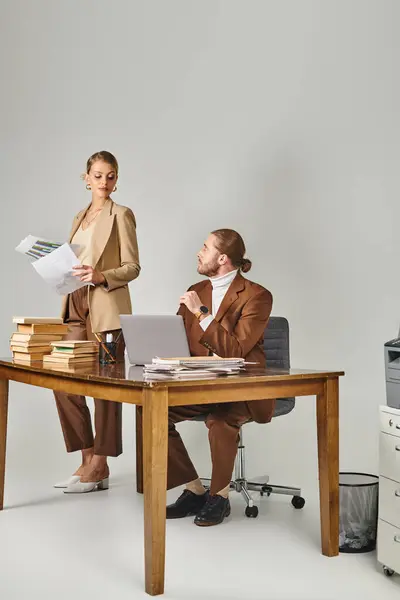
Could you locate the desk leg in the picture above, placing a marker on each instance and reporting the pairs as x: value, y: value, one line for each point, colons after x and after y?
x: 155, y: 448
x: 139, y: 450
x: 328, y: 465
x: 3, y: 435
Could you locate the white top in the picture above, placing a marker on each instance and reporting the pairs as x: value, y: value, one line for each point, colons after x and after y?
x: 84, y: 239
x: 220, y: 286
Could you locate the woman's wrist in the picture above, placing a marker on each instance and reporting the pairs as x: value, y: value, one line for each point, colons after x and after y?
x: 101, y: 280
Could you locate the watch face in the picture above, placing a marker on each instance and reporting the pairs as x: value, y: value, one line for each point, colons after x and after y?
x: 204, y: 309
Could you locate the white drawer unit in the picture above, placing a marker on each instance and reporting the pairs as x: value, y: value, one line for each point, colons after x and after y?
x: 389, y: 501
x: 389, y: 547
x: 388, y: 542
x: 390, y: 420
x: 389, y: 456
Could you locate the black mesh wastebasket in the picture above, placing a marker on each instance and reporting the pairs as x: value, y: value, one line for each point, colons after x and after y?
x: 358, y: 512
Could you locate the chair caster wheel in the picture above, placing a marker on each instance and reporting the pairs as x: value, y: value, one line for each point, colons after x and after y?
x: 251, y: 512
x: 298, y: 502
x: 266, y: 490
x: 388, y: 572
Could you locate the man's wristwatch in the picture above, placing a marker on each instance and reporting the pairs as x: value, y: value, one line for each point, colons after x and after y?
x: 202, y: 312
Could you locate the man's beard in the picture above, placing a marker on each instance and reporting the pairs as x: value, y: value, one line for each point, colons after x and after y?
x: 209, y: 269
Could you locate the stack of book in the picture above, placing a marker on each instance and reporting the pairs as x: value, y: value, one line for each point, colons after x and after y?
x: 193, y: 367
x: 72, y: 353
x: 32, y: 340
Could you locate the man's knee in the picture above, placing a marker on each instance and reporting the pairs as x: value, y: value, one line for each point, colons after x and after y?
x: 219, y: 422
x: 175, y: 415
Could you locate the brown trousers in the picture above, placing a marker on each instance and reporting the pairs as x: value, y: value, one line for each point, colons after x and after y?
x: 74, y: 414
x: 223, y: 422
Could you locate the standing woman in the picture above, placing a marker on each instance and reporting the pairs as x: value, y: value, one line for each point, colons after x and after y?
x: 109, y: 259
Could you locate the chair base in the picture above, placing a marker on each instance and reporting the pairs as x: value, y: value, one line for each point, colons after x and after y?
x: 263, y: 487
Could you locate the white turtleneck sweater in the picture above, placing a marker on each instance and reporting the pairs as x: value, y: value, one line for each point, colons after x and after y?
x: 220, y: 286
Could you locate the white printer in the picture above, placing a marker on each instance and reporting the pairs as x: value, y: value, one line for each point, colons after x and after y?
x: 392, y: 372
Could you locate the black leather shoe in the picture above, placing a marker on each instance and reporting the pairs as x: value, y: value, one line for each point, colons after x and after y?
x: 187, y: 505
x: 213, y: 512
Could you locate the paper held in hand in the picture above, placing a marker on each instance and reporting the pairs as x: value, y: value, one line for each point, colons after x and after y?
x: 53, y: 261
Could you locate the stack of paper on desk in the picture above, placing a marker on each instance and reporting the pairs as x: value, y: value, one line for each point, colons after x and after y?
x: 200, y: 362
x: 196, y: 367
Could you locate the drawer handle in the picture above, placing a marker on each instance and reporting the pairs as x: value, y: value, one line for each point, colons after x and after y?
x: 397, y: 493
x: 397, y: 538
x: 397, y: 426
x: 397, y: 448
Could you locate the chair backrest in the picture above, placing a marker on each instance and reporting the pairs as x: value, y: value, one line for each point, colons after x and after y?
x: 276, y: 348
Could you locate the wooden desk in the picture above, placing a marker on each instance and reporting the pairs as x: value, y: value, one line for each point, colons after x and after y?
x: 113, y: 383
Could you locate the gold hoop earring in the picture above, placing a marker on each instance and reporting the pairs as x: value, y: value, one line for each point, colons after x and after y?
x: 115, y: 189
x: 88, y: 186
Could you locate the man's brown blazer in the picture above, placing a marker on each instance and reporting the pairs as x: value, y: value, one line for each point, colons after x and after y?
x: 236, y: 331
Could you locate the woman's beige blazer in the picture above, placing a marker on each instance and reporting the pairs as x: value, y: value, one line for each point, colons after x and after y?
x: 115, y: 253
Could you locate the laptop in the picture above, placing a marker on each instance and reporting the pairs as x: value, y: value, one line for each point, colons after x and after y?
x: 148, y: 336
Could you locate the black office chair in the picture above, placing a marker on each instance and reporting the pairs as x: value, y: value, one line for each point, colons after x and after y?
x: 276, y: 347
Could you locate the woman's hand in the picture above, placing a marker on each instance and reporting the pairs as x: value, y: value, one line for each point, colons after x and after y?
x: 88, y: 274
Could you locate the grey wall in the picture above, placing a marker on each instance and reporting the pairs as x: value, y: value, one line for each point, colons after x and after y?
x: 279, y: 119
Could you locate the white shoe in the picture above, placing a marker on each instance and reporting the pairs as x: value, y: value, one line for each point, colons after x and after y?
x: 82, y: 488
x: 71, y: 481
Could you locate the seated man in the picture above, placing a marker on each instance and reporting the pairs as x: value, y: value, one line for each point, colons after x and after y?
x: 225, y: 315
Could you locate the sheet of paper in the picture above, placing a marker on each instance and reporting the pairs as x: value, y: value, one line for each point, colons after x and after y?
x: 37, y: 247
x: 56, y: 270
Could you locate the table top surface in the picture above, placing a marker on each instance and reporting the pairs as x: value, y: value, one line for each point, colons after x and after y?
x: 124, y: 374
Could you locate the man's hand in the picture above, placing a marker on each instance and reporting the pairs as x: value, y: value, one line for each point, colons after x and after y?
x: 191, y: 301
x: 88, y: 274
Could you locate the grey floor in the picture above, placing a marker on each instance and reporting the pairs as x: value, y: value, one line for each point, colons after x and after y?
x: 85, y: 546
